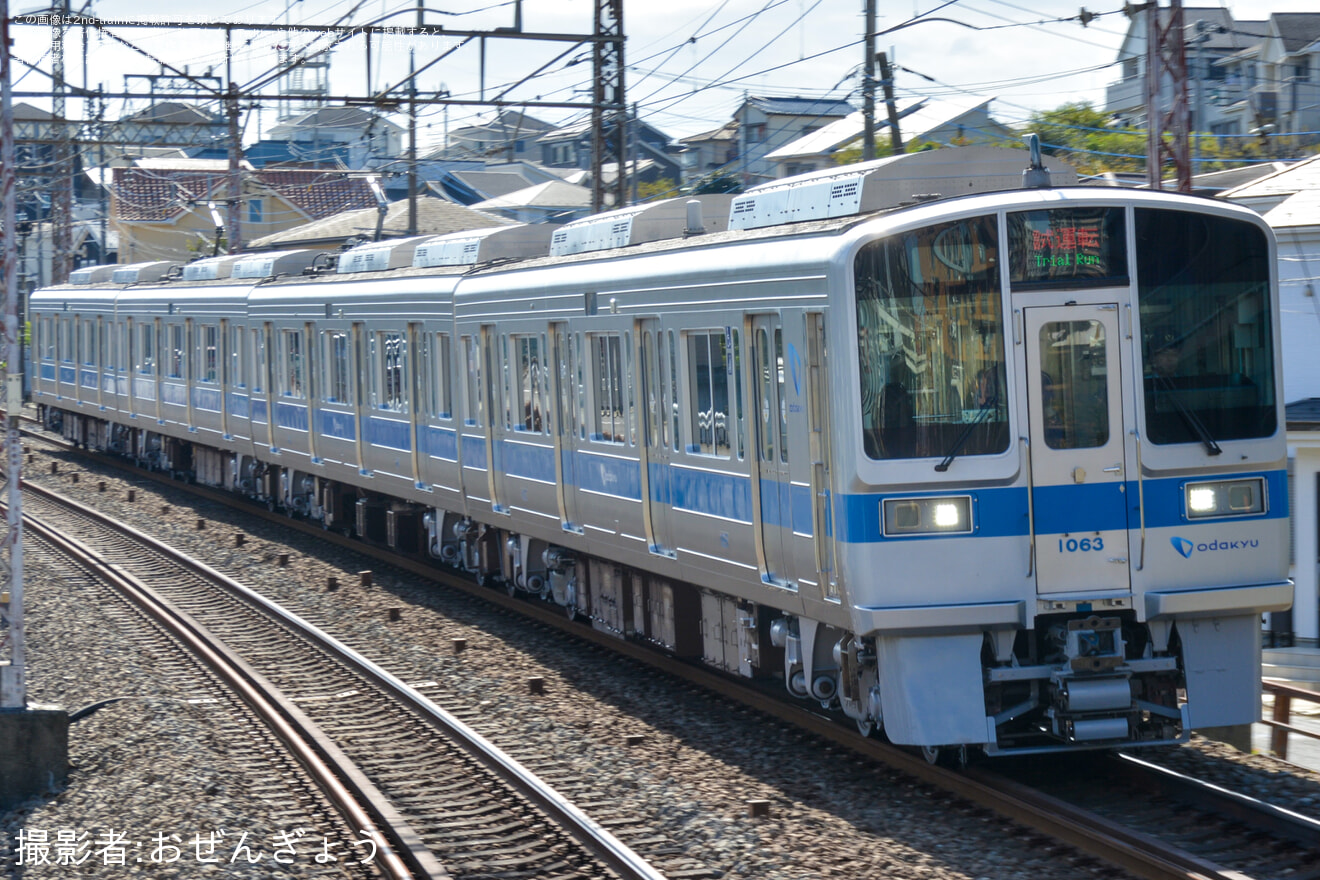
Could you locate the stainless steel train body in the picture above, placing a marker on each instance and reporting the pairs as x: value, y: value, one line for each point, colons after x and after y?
x: 1005, y: 471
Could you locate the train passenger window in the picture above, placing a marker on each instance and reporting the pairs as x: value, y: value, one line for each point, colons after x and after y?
x: 66, y: 340
x: 529, y: 368
x: 238, y: 365
x: 930, y: 342
x: 174, y: 351
x: 1074, y: 384
x: 209, y: 342
x: 1203, y: 294
x: 673, y: 391
x: 630, y: 410
x: 650, y: 391
x: 146, y: 349
x: 338, y: 381
x: 710, y: 369
x: 579, y: 360
x: 442, y: 395
x: 608, y: 389
x: 389, y: 372
x: 262, y: 379
x: 102, y: 342
x: 290, y: 360
x: 472, y: 361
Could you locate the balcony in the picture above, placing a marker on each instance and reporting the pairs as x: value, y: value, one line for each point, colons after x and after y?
x: 1125, y: 95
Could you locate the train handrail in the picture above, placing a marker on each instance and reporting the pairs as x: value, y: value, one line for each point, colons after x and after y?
x: 1141, y: 502
x: 1284, y: 693
x: 1031, y: 508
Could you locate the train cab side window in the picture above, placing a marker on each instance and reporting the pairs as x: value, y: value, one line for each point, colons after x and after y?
x: 930, y: 342
x: 710, y: 371
x: 609, y: 388
x: 338, y: 367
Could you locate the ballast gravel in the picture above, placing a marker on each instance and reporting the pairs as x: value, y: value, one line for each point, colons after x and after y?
x: 151, y: 764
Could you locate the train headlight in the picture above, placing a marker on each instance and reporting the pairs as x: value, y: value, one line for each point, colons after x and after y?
x: 927, y: 516
x: 1225, y: 498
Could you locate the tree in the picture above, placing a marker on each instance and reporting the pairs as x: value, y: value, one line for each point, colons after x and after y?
x: 1080, y: 134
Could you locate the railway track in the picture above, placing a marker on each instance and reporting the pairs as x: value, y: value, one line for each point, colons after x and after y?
x: 448, y: 800
x: 1089, y: 828
x: 1204, y: 829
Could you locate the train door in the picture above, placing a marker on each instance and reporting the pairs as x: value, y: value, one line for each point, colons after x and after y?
x: 818, y: 413
x: 565, y: 357
x: 1078, y: 503
x: 772, y: 487
x: 657, y: 479
x: 495, y: 367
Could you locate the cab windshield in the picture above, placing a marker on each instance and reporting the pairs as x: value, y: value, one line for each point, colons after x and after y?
x: 1203, y: 287
x: 930, y: 343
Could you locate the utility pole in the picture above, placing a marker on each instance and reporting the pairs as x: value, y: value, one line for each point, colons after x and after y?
x: 61, y: 202
x: 412, y: 142
x: 868, y: 86
x: 13, y: 669
x: 609, y: 113
x: 235, y: 186
x: 1166, y: 55
x: 887, y: 80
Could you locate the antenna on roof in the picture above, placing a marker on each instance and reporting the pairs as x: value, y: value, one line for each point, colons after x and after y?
x: 1036, y: 175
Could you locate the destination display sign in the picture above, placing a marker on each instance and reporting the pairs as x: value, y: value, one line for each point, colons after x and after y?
x: 1070, y: 247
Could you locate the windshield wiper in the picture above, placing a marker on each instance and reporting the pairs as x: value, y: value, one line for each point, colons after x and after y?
x: 1198, y: 427
x: 981, y: 415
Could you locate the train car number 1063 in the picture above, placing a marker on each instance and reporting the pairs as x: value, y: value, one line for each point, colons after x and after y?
x: 1074, y: 545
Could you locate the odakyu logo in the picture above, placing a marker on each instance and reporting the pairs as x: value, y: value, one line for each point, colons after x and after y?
x: 1185, y: 547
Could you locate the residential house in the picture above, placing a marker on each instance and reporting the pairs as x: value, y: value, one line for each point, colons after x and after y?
x: 554, y: 202
x: 652, y: 155
x: 1277, y: 79
x: 160, y: 208
x: 509, y: 136
x: 710, y: 152
x: 1246, y: 78
x: 946, y: 123
x: 765, y: 124
x: 327, y: 131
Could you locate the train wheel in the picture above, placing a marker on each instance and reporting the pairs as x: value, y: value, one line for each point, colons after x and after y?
x: 866, y: 727
x: 952, y: 757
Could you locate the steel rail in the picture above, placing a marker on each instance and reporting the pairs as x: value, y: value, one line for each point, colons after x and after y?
x: 359, y: 804
x: 595, y: 838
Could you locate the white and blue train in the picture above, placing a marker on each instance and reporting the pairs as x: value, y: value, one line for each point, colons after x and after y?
x: 1002, y: 470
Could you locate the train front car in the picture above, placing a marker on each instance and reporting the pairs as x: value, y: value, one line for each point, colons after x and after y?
x: 1069, y: 506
